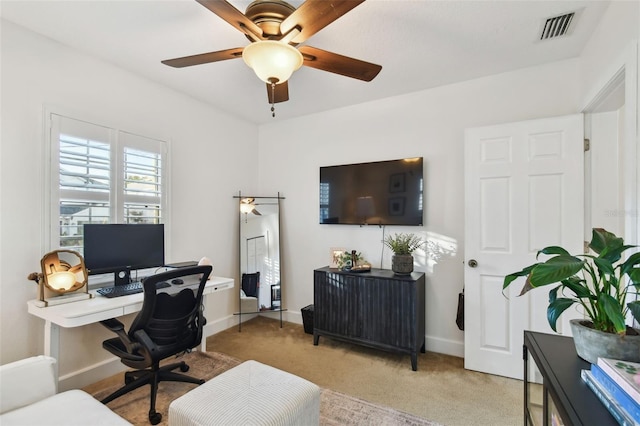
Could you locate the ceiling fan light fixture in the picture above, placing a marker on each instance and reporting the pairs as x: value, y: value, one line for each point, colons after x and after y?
x: 246, y: 208
x: 271, y: 60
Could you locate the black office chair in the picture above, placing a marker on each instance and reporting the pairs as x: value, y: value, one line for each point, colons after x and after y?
x: 251, y: 284
x: 167, y: 325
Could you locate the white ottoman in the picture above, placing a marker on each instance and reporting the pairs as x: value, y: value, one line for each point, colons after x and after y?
x: 249, y: 394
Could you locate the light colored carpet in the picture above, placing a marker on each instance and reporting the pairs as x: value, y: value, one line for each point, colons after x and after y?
x: 335, y: 408
x: 134, y: 406
x: 441, y: 390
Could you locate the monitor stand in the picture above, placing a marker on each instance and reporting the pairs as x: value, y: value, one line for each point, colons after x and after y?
x: 122, y: 277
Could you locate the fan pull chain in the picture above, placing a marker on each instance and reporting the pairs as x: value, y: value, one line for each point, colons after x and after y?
x: 273, y: 98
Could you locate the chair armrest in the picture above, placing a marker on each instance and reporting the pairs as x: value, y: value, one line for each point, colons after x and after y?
x: 27, y: 381
x: 118, y: 328
x: 145, y: 340
x: 113, y: 325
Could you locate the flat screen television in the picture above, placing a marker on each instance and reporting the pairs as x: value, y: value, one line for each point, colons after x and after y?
x: 376, y: 193
x: 121, y: 248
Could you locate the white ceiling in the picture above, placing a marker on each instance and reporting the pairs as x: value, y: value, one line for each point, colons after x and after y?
x: 419, y: 43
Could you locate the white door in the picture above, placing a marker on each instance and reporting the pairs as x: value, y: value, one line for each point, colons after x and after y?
x: 523, y: 192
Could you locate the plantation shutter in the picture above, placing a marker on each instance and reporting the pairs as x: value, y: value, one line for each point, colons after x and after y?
x: 102, y: 175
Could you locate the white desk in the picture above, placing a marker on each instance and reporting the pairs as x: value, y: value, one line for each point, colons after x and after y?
x: 98, y: 308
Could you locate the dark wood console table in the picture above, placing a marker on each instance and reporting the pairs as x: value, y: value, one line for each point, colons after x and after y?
x: 566, y: 399
x: 377, y: 309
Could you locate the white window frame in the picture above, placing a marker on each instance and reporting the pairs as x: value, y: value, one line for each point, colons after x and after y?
x: 118, y: 139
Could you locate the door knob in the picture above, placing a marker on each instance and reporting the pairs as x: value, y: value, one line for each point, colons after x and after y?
x: 472, y: 263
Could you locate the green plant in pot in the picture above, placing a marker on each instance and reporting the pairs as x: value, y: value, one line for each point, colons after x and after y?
x: 602, y: 284
x: 403, y: 246
x: 345, y: 261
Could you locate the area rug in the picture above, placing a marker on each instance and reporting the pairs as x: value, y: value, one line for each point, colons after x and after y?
x: 335, y: 408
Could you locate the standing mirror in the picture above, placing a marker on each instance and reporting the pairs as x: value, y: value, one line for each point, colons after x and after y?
x: 259, y: 244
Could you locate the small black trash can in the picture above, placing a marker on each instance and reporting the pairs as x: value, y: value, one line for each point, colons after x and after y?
x: 307, y: 319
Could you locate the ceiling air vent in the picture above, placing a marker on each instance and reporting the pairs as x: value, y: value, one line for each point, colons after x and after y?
x: 556, y: 26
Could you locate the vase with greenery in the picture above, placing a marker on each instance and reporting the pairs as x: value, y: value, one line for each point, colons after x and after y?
x: 403, y: 245
x: 602, y: 284
x: 347, y: 260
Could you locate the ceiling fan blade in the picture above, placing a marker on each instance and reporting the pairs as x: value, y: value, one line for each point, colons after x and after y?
x: 338, y: 64
x: 281, y: 92
x: 204, y: 58
x: 233, y: 16
x: 314, y: 15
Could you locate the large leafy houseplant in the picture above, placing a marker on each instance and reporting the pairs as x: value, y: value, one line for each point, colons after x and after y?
x: 600, y: 283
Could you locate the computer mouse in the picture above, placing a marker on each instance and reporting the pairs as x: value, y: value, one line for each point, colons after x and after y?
x: 177, y: 281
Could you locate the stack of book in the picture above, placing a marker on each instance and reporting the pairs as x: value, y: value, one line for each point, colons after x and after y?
x: 617, y: 384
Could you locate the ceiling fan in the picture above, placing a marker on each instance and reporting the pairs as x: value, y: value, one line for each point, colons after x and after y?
x: 248, y: 205
x: 275, y: 29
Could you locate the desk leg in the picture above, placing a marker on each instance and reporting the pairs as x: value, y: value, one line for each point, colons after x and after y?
x: 52, y: 344
x: 51, y: 339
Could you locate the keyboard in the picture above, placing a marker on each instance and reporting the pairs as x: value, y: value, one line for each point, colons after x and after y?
x: 127, y: 289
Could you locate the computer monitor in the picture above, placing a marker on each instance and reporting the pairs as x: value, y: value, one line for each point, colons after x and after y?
x: 121, y: 248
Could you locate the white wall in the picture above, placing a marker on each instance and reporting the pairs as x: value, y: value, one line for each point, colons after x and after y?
x: 430, y: 124
x: 607, y: 205
x: 206, y: 147
x: 609, y: 47
x: 208, y: 144
x: 613, y: 47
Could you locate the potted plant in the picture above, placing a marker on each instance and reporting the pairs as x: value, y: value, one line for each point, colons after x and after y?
x: 602, y: 284
x: 402, y: 246
x: 348, y: 260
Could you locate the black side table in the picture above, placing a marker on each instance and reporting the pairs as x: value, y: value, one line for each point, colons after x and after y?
x: 566, y: 398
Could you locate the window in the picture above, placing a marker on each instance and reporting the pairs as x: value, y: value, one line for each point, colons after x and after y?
x: 142, y: 186
x: 102, y: 175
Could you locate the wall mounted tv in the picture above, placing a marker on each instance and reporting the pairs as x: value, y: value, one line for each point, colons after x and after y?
x: 121, y: 248
x: 376, y: 193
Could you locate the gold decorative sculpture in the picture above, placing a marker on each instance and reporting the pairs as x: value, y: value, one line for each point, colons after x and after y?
x: 63, y: 278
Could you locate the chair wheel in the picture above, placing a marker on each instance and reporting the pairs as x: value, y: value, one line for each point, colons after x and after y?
x: 154, y: 417
x: 184, y: 368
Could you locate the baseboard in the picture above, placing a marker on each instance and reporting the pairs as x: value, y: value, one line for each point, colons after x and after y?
x: 286, y: 316
x: 294, y: 316
x: 108, y: 367
x: 444, y: 346
x: 433, y: 344
x: 90, y: 374
x: 213, y: 327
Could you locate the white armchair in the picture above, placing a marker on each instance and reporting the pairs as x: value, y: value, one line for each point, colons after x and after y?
x: 28, y: 397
